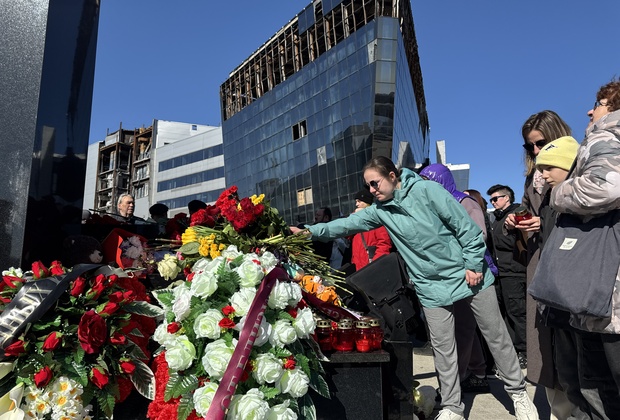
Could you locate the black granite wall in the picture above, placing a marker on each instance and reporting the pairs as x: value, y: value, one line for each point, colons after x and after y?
x: 47, y: 65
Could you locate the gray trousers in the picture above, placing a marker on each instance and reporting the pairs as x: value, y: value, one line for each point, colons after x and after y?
x: 441, y: 328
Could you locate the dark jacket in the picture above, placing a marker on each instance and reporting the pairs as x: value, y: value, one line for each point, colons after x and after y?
x: 510, y: 247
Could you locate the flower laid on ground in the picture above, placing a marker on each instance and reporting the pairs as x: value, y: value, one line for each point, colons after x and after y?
x: 204, y: 317
x: 315, y: 286
x: 133, y: 252
x: 87, y: 350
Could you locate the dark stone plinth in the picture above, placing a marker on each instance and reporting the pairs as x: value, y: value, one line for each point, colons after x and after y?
x: 356, y: 384
x: 47, y: 51
x: 399, y: 383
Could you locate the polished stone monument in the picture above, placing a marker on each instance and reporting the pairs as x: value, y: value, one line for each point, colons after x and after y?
x: 47, y: 66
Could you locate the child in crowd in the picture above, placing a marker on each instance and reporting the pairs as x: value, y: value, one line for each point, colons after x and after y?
x: 554, y: 161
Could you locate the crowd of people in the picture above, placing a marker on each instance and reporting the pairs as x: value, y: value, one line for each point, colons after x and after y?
x: 472, y: 274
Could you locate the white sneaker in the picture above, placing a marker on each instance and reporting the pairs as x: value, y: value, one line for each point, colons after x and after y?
x: 446, y: 414
x: 524, y: 407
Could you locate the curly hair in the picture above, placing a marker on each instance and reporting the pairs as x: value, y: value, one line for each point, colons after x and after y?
x: 611, y: 92
x: 550, y: 125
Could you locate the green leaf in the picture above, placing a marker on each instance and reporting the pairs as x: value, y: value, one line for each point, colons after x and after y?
x: 269, y: 391
x: 42, y: 326
x: 178, y: 385
x: 306, y: 409
x: 186, y: 406
x: 106, y: 403
x: 143, y: 308
x: 164, y: 297
x: 136, y: 352
x: 143, y: 379
x: 285, y: 315
x: 190, y: 248
x: 303, y: 363
x: 79, y: 354
x: 318, y: 383
x: 82, y: 373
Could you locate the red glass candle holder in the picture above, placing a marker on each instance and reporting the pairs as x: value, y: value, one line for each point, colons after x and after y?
x: 521, y: 214
x: 324, y: 335
x: 363, y: 337
x: 344, y: 337
x: 377, y: 333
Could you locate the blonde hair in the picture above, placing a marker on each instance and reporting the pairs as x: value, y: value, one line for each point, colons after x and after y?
x: 550, y: 125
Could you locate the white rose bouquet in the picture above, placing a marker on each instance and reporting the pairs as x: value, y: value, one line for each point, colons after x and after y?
x: 237, y: 332
x: 203, y: 320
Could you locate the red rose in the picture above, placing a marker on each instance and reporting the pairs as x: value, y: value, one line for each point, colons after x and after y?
x: 111, y: 280
x: 128, y: 367
x: 118, y: 339
x: 190, y: 276
x: 109, y: 308
x: 43, y: 377
x: 289, y: 363
x: 11, y: 282
x: 99, y: 377
x: 56, y: 268
x: 92, y: 332
x: 52, y: 341
x: 116, y: 297
x: 99, y: 285
x: 173, y: 327
x: 134, y: 285
x: 15, y: 349
x: 227, y: 310
x: 78, y: 286
x: 226, y: 323
x: 39, y: 271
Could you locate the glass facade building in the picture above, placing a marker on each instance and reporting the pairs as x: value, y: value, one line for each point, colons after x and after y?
x: 338, y: 85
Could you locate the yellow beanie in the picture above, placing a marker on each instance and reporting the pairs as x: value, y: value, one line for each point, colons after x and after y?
x: 560, y: 153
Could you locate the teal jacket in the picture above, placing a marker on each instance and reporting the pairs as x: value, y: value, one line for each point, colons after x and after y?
x: 433, y: 233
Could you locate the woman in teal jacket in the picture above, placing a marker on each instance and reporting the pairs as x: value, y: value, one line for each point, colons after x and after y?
x: 444, y: 252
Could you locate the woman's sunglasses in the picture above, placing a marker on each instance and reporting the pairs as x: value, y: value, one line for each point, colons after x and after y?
x: 530, y: 147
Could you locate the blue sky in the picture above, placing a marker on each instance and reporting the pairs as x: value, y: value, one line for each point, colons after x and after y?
x: 487, y: 66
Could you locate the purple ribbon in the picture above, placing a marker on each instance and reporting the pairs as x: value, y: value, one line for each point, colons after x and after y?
x: 329, y: 309
x: 249, y: 332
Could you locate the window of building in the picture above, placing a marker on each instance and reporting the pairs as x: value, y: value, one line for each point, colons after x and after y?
x: 141, y: 191
x: 304, y: 197
x: 192, y: 157
x: 299, y: 130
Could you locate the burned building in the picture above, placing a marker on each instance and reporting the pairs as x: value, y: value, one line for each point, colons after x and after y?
x: 338, y: 84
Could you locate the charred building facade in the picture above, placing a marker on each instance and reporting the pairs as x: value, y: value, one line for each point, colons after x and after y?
x: 337, y: 85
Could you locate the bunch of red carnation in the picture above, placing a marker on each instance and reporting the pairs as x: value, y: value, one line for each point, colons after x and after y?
x: 205, y: 217
x: 241, y: 213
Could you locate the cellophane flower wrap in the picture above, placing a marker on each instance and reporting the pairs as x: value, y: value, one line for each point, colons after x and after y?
x: 89, y: 349
x: 227, y: 253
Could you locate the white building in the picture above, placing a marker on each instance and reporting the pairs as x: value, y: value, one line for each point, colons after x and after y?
x: 170, y: 163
